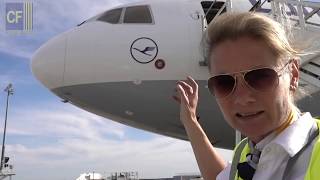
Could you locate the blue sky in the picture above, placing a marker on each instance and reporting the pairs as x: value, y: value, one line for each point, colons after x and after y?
x: 47, y: 139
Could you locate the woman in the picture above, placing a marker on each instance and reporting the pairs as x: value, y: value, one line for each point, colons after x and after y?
x: 254, y: 76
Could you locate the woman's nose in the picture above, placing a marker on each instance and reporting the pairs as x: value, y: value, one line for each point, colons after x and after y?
x: 243, y: 94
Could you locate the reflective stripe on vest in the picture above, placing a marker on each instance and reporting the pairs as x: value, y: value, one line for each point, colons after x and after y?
x: 299, y: 161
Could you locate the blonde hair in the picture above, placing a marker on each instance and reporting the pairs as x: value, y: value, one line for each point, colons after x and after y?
x: 231, y: 26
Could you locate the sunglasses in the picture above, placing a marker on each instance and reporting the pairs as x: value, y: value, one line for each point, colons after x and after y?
x: 261, y: 79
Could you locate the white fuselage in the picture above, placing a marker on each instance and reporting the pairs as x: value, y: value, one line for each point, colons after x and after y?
x: 127, y: 71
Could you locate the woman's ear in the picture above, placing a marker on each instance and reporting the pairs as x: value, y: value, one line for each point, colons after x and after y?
x: 294, y: 71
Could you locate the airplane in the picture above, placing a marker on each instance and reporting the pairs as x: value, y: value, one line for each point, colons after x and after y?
x: 123, y: 64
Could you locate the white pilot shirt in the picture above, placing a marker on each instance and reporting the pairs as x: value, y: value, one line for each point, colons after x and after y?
x: 276, y: 151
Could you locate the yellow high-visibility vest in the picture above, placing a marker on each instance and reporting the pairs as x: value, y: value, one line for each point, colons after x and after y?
x: 313, y: 170
x: 314, y: 164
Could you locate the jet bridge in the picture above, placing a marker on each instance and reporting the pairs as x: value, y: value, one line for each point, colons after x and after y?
x: 303, y: 17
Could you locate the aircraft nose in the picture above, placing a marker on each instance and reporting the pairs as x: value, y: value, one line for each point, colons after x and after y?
x: 48, y: 62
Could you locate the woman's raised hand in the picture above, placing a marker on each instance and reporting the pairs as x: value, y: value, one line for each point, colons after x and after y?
x: 188, y: 99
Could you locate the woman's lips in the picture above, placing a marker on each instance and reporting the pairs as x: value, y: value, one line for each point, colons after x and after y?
x: 249, y: 115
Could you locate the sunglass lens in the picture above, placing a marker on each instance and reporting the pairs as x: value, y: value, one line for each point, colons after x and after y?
x: 262, y: 79
x: 222, y: 85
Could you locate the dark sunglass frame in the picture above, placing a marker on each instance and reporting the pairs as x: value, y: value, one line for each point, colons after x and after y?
x: 274, y: 81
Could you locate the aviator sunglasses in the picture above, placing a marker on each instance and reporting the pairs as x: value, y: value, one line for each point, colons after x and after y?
x: 261, y: 79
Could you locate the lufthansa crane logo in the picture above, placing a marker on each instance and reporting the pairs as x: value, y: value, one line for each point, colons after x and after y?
x: 144, y: 50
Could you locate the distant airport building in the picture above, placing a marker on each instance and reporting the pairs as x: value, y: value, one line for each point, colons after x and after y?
x: 124, y: 176
x: 134, y: 176
x: 91, y: 176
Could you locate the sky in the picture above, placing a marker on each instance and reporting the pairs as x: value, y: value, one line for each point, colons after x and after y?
x: 48, y: 139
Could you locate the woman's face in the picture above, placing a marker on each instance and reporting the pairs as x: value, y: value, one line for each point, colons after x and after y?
x: 254, y: 113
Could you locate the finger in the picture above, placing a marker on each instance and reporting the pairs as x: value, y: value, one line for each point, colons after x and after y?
x: 177, y: 99
x: 186, y: 86
x: 193, y: 84
x: 183, y: 95
x: 176, y: 95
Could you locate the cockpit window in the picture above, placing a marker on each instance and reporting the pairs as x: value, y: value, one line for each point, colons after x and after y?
x: 111, y: 16
x: 137, y: 14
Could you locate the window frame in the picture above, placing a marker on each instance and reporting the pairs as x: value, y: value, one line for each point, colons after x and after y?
x: 146, y: 5
x: 119, y: 20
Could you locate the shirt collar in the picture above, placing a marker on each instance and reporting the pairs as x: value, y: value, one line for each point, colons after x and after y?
x: 294, y: 137
x: 260, y: 145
